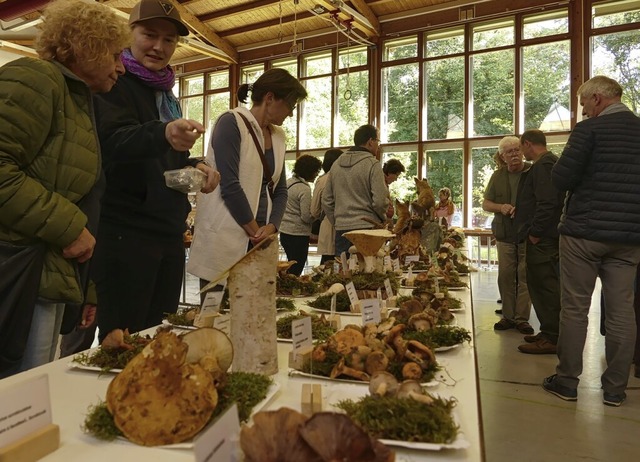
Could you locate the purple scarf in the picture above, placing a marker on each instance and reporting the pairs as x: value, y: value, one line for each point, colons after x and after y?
x: 162, y: 81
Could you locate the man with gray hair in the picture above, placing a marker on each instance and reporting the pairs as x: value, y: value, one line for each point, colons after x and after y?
x: 599, y: 236
x: 500, y: 198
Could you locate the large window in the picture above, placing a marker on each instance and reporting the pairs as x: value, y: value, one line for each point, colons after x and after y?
x: 444, y: 169
x: 400, y: 103
x: 193, y: 107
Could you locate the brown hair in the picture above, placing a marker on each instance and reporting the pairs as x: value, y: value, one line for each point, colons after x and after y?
x: 277, y: 81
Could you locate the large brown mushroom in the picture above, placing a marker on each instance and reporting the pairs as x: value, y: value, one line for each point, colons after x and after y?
x: 335, y: 437
x: 383, y: 383
x: 211, y: 348
x: 376, y: 361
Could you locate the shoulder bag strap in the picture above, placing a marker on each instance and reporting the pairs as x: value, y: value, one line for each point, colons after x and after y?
x: 265, y: 166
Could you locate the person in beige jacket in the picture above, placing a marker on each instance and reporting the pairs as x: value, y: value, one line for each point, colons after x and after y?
x: 326, y: 236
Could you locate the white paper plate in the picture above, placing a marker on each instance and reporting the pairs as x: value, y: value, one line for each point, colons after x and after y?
x: 334, y: 394
x: 446, y: 348
x: 296, y: 373
x: 82, y: 367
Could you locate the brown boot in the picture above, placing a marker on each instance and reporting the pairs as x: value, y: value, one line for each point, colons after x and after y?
x: 541, y: 347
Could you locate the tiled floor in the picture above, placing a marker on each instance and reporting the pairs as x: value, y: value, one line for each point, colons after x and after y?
x: 523, y: 423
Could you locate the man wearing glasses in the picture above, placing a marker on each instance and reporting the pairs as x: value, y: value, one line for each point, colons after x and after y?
x: 356, y: 189
x: 500, y: 198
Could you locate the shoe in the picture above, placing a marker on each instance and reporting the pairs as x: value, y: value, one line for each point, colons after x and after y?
x: 524, y: 328
x: 541, y: 347
x: 499, y: 300
x: 613, y: 400
x: 551, y: 385
x: 504, y: 324
x: 533, y: 338
x: 498, y: 311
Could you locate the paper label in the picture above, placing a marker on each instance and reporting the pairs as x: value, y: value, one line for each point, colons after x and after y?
x: 333, y: 304
x: 388, y: 288
x: 344, y: 261
x: 223, y: 322
x: 24, y: 408
x: 301, y: 335
x: 370, y: 311
x: 211, y: 303
x: 411, y: 258
x: 386, y: 261
x: 216, y: 443
x: 351, y: 292
x: 395, y: 263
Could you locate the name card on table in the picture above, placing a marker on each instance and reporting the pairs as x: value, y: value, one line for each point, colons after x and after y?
x: 388, y: 288
x: 218, y: 442
x: 353, y: 297
x: 370, y: 311
x: 24, y: 409
x: 411, y: 258
x: 212, y: 300
x: 395, y: 263
x: 301, y: 335
x: 223, y: 322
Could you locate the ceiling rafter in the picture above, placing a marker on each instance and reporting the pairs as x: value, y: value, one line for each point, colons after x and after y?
x: 261, y: 25
x: 366, y: 11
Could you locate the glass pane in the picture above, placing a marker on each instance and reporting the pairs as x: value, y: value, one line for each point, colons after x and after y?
x: 444, y: 43
x: 400, y: 103
x: 445, y: 169
x: 444, y: 90
x: 218, y: 80
x: 543, y: 25
x: 316, y: 120
x: 547, y: 98
x: 353, y: 107
x: 353, y: 57
x: 614, y: 13
x: 319, y: 64
x: 217, y: 103
x: 493, y: 87
x: 618, y: 56
x: 290, y: 65
x: 194, y: 85
x: 493, y: 35
x: 290, y: 128
x: 482, y: 167
x: 193, y: 109
x: 406, y: 47
x: 250, y: 74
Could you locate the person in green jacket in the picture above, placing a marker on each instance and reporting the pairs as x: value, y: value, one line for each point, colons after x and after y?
x: 50, y: 172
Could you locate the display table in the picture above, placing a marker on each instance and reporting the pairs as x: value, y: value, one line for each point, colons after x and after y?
x: 484, y: 239
x: 73, y: 391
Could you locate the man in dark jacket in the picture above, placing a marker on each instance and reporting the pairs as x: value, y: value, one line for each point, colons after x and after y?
x: 599, y: 236
x: 537, y: 215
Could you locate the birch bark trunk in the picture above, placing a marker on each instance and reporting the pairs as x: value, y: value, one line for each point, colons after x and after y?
x: 252, y: 299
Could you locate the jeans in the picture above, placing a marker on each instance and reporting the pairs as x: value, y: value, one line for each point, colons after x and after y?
x: 43, y: 335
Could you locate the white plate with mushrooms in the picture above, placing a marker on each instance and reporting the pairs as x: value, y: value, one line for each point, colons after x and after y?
x: 344, y: 313
x: 294, y: 373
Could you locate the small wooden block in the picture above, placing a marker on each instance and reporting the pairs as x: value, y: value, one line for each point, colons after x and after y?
x: 311, y: 399
x: 204, y: 320
x: 356, y: 308
x: 334, y: 321
x: 300, y: 360
x: 32, y: 447
x: 392, y: 301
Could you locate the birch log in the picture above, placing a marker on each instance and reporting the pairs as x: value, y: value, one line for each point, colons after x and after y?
x: 252, y: 299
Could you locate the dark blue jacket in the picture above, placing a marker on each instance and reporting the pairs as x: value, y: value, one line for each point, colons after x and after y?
x: 600, y: 170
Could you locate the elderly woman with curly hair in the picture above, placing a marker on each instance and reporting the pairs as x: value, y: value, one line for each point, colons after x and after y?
x: 50, y: 174
x: 295, y: 228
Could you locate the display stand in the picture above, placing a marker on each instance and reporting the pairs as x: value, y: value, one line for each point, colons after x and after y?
x: 33, y: 446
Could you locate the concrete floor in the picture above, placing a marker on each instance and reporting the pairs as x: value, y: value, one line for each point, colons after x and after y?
x: 522, y: 422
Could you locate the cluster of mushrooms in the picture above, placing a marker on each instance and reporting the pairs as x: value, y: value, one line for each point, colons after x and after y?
x: 366, y: 350
x: 167, y: 393
x: 286, y: 435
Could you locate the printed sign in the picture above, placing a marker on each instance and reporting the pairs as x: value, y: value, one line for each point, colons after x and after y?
x: 301, y: 335
x: 388, y: 288
x: 370, y: 311
x: 217, y: 442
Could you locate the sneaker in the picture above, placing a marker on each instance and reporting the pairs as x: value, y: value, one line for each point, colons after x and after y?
x: 533, y: 338
x: 613, y: 400
x: 498, y: 311
x: 504, y: 324
x: 524, y: 328
x: 541, y: 347
x: 551, y: 385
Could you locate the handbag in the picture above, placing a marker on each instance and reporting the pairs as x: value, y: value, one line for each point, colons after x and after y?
x: 265, y: 166
x: 20, y: 272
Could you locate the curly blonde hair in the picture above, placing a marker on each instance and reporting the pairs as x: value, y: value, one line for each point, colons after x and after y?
x: 74, y: 30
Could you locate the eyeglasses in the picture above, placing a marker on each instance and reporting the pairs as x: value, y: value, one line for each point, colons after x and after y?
x: 512, y: 151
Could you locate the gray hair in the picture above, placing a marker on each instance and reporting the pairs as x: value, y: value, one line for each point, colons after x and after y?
x: 600, y: 85
x: 508, y: 141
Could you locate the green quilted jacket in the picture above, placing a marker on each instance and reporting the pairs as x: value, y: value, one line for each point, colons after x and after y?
x: 49, y: 160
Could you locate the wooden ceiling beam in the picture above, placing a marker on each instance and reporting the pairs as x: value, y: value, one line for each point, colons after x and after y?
x: 286, y: 20
x: 366, y: 11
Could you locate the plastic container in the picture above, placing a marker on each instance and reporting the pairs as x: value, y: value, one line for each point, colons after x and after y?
x: 185, y: 180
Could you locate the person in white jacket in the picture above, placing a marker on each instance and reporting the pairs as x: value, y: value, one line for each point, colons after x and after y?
x: 249, y: 203
x: 326, y: 236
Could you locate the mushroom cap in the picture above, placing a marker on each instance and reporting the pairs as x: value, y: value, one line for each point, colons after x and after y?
x: 335, y: 436
x: 409, y: 385
x: 421, y: 321
x: 376, y: 362
x: 383, y: 383
x: 412, y: 370
x: 285, y: 265
x: 207, y: 342
x: 369, y: 241
x: 343, y: 341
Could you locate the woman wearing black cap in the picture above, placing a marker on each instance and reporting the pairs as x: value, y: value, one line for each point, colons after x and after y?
x: 139, y: 259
